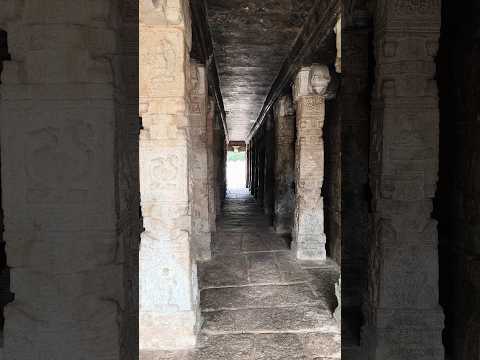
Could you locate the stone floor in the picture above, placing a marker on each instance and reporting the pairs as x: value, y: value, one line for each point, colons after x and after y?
x: 259, y: 303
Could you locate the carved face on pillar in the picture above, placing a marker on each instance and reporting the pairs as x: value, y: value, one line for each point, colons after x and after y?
x: 319, y: 78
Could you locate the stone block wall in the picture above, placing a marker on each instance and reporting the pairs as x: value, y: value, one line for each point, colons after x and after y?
x: 71, y: 236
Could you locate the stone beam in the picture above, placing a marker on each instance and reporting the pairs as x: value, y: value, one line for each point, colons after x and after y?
x: 312, y: 40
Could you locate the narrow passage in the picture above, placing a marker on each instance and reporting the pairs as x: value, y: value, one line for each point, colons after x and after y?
x: 258, y: 302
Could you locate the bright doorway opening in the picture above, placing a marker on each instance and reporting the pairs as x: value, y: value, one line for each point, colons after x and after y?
x: 236, y: 169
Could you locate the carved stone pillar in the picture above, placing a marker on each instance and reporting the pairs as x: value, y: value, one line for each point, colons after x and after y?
x: 284, y: 165
x: 168, y: 280
x: 261, y: 167
x: 254, y: 185
x: 309, y: 96
x: 269, y: 175
x: 355, y: 130
x: 198, y: 169
x: 404, y: 320
x: 247, y: 152
x: 220, y: 182
x: 212, y: 179
x: 65, y: 171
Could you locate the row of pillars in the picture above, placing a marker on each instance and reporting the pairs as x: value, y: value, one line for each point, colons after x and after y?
x: 402, y: 316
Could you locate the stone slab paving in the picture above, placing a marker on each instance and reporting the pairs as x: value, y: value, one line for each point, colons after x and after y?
x: 258, y: 302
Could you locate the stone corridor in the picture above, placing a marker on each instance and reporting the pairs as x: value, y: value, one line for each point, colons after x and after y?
x: 257, y: 301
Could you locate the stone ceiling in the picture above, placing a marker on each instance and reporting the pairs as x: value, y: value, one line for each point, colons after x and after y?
x: 251, y: 39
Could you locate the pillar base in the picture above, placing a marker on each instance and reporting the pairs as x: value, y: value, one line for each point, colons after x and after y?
x: 393, y: 338
x: 309, y: 247
x: 174, y: 331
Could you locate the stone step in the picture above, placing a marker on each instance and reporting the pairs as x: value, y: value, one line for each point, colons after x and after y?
x: 260, y: 296
x: 295, y: 319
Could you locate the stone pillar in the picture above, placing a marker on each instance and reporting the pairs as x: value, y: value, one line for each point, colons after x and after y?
x: 255, y: 167
x: 198, y: 170
x: 249, y: 161
x: 67, y: 210
x: 284, y: 165
x: 269, y: 176
x: 168, y: 280
x: 309, y: 96
x: 260, y: 167
x: 253, y: 186
x: 403, y: 319
x: 212, y: 179
x: 355, y: 130
x: 220, y: 183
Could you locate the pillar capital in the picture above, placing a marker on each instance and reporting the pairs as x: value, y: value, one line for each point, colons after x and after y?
x: 311, y: 80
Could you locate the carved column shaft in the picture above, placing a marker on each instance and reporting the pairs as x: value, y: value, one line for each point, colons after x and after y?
x: 269, y: 180
x: 198, y: 169
x: 211, y: 164
x: 168, y: 280
x: 247, y: 151
x: 404, y: 319
x: 284, y: 167
x: 259, y: 195
x: 309, y: 235
x: 355, y: 153
x: 68, y: 184
x: 255, y: 167
x: 220, y: 164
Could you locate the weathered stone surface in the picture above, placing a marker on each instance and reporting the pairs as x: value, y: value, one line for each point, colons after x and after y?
x: 235, y: 347
x: 257, y: 296
x: 224, y: 271
x: 251, y: 40
x: 309, y: 95
x: 355, y: 138
x: 168, y: 288
x: 284, y: 167
x: 198, y: 164
x: 69, y: 193
x: 322, y: 346
x: 403, y: 317
x: 278, y: 347
x: 262, y: 268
